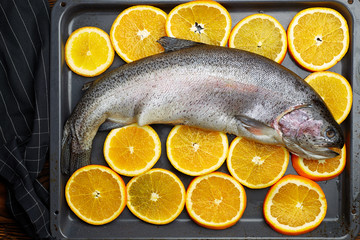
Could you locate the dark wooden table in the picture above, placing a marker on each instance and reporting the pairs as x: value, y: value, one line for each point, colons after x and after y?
x: 9, y: 228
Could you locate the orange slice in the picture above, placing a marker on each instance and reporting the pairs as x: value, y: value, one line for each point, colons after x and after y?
x: 335, y: 90
x: 215, y: 200
x: 88, y: 51
x: 135, y: 32
x: 261, y: 34
x: 96, y: 194
x: 132, y: 150
x: 256, y: 165
x: 295, y: 205
x: 200, y: 21
x: 157, y: 196
x: 195, y: 151
x: 320, y: 170
x: 318, y: 38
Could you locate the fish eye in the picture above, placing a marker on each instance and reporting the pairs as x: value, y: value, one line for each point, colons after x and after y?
x: 330, y: 132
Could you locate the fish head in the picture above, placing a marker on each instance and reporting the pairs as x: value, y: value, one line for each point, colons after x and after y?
x: 310, y: 132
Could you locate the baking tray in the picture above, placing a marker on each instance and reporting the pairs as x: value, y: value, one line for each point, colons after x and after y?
x: 342, y: 193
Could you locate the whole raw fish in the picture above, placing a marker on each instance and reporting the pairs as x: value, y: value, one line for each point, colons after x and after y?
x: 210, y: 87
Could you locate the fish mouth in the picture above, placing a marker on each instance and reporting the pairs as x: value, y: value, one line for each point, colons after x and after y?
x: 315, y: 153
x: 321, y: 153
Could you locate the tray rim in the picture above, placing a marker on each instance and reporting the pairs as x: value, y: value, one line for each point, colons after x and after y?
x: 55, y: 94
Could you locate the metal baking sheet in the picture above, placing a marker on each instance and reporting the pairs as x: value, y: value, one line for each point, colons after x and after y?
x: 342, y: 193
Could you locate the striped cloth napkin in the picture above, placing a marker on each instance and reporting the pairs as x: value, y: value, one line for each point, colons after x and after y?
x: 24, y: 110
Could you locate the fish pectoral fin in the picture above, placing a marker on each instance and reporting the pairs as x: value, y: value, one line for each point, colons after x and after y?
x: 108, y: 125
x: 171, y: 44
x: 254, y: 126
x: 258, y: 130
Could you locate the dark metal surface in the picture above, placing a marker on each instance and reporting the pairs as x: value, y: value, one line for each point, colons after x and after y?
x: 342, y: 193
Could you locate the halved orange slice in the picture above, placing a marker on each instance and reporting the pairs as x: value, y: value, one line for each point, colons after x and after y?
x: 200, y: 21
x: 88, y: 51
x: 135, y: 32
x: 261, y: 34
x: 318, y: 38
x: 256, y: 165
x: 335, y: 90
x: 157, y: 196
x: 132, y: 150
x: 295, y: 205
x: 96, y: 194
x: 320, y: 170
x: 195, y: 151
x: 215, y: 200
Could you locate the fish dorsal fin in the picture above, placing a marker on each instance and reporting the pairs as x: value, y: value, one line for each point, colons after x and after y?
x: 173, y: 44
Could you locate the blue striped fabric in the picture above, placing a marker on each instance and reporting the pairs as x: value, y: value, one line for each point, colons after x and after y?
x: 24, y: 110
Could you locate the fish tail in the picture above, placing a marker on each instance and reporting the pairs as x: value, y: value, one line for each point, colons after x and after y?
x: 72, y: 156
x: 79, y: 160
